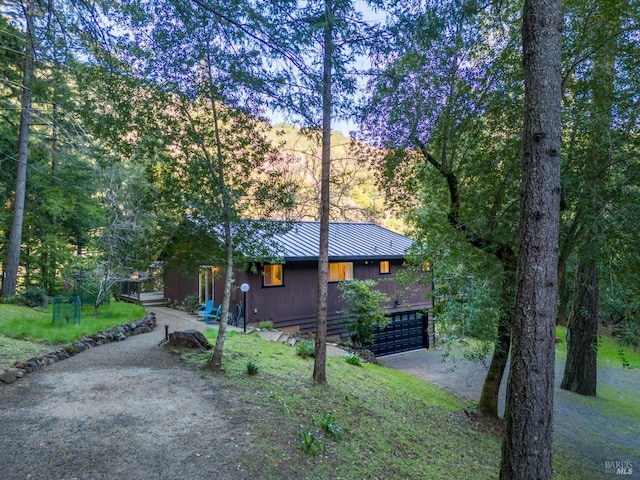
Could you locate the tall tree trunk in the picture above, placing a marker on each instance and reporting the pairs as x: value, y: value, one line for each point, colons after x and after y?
x: 563, y: 292
x: 580, y: 371
x: 319, y: 368
x: 488, y: 404
x: 215, y: 363
x: 527, y: 443
x: 10, y: 276
x: 217, y: 170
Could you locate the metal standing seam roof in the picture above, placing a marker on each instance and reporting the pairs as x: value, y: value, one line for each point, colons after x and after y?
x: 347, y: 240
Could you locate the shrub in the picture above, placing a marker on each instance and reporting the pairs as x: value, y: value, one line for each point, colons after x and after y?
x: 191, y: 302
x: 252, y: 368
x: 35, y: 297
x: 306, y: 348
x: 266, y: 325
x: 353, y: 359
x: 627, y: 333
x: 9, y: 300
x: 363, y: 309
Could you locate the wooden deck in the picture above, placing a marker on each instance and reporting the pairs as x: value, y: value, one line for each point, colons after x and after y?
x: 150, y: 299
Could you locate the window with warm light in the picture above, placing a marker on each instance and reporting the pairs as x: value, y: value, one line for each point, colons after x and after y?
x: 272, y: 276
x: 384, y: 266
x: 340, y: 271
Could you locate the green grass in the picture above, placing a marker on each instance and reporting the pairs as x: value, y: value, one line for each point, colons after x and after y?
x: 37, y: 324
x: 608, y: 351
x: 12, y: 350
x: 393, y: 425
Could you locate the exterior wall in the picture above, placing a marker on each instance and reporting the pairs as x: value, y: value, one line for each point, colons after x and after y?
x: 292, y: 306
x: 177, y: 285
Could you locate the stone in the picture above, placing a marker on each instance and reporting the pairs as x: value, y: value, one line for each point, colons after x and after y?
x: 189, y: 339
x: 115, y: 334
x: 9, y: 376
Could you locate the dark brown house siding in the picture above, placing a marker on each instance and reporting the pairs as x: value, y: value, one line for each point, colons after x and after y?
x: 177, y: 285
x: 292, y: 306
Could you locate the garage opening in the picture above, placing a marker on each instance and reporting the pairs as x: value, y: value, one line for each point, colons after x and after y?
x: 405, y: 332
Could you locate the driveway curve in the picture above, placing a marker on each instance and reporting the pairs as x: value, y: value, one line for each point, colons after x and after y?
x: 125, y: 410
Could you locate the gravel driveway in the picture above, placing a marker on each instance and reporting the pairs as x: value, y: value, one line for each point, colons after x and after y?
x: 92, y: 417
x: 584, y: 427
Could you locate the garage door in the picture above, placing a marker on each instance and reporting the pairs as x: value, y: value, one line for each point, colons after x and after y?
x: 406, y: 331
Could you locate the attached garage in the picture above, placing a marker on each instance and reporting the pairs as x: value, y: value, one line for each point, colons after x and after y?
x: 406, y: 331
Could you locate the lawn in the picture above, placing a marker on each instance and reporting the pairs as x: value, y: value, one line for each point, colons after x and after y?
x: 28, y: 332
x: 390, y: 425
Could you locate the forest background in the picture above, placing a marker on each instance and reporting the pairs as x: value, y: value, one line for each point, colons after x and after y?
x: 121, y: 119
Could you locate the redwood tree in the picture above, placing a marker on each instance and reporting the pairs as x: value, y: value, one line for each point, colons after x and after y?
x: 527, y: 444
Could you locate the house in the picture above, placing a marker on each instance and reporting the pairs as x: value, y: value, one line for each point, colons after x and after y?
x: 285, y: 292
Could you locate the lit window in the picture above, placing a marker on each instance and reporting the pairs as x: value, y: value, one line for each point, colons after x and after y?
x: 426, y: 266
x: 384, y: 266
x: 272, y: 275
x: 340, y: 271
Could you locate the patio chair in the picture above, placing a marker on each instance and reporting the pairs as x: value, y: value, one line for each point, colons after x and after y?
x: 205, y: 309
x: 213, y: 315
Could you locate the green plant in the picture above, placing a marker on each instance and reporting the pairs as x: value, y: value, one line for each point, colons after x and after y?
x: 306, y: 348
x: 353, y: 359
x: 284, y: 407
x: 328, y: 423
x: 308, y: 441
x: 35, y: 297
x: 363, y: 309
x: 627, y: 333
x: 252, y: 368
x: 623, y: 359
x: 266, y: 325
x: 191, y: 302
x: 9, y: 300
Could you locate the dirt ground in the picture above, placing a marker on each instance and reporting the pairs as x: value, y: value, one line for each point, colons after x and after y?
x: 125, y: 410
x: 129, y: 410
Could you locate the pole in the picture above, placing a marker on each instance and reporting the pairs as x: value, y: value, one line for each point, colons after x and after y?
x: 244, y: 311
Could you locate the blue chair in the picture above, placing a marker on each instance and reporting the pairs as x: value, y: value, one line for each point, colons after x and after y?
x: 205, y: 309
x: 213, y: 315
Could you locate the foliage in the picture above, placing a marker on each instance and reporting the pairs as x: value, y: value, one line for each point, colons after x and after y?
x: 9, y: 300
x: 608, y: 350
x: 309, y: 442
x: 266, y: 325
x: 305, y: 348
x: 252, y: 368
x: 627, y: 333
x: 328, y: 424
x: 363, y: 309
x: 192, y: 302
x: 35, y: 297
x: 353, y: 359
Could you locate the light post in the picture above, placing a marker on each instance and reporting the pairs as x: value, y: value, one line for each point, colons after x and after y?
x: 244, y: 288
